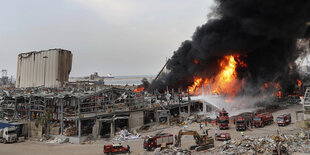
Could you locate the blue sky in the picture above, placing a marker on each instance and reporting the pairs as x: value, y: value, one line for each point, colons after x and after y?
x: 122, y: 37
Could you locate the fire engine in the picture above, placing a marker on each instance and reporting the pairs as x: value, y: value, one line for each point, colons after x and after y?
x: 241, y: 124
x: 243, y: 121
x: 284, y: 119
x: 263, y: 119
x: 153, y: 142
x: 223, y: 119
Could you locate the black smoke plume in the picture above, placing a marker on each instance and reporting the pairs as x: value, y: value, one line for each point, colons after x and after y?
x: 264, y: 32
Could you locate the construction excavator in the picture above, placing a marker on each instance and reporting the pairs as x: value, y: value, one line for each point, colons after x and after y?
x: 203, y: 142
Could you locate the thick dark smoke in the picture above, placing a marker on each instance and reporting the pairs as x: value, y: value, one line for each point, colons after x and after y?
x: 264, y: 32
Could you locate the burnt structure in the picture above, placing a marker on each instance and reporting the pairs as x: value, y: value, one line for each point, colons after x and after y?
x: 264, y: 34
x: 80, y: 113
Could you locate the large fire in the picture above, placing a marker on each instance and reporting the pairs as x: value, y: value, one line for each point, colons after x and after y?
x: 138, y: 89
x: 299, y: 83
x: 225, y: 82
x: 271, y: 89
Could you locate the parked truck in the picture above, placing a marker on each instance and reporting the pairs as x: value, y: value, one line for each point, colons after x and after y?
x: 243, y: 121
x: 284, y: 119
x: 263, y: 119
x: 7, y: 133
x: 241, y: 124
x: 152, y: 142
x: 223, y: 119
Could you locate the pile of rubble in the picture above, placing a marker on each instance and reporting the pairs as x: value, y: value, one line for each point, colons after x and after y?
x: 70, y: 131
x: 58, y: 140
x: 267, y: 145
x: 174, y: 151
x: 126, y: 135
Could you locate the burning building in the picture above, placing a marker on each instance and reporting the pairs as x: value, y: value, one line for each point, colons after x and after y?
x: 246, y: 47
x: 49, y: 68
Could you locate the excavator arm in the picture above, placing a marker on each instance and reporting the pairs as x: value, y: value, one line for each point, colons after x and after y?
x: 203, y: 141
x: 181, y: 133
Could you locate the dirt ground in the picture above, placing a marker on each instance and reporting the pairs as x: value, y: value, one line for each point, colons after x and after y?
x: 39, y: 148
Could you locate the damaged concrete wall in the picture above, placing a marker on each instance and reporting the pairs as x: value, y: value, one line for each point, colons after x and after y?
x: 36, y: 130
x: 96, y: 129
x: 64, y: 66
x: 54, y: 130
x: 34, y: 70
x: 136, y: 119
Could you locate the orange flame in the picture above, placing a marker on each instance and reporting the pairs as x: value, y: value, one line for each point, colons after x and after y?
x: 225, y: 82
x: 139, y: 89
x: 279, y: 94
x: 299, y: 83
x: 274, y: 87
x: 197, y: 83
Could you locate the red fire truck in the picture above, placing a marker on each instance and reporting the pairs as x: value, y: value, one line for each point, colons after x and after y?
x: 153, y: 142
x: 241, y: 124
x: 284, y: 119
x: 223, y: 119
x: 263, y: 119
x: 115, y: 149
x: 244, y: 120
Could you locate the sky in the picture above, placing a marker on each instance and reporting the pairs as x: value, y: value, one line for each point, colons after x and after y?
x: 120, y: 37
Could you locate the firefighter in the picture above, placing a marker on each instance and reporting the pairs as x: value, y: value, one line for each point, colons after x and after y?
x: 128, y: 148
x: 242, y: 134
x: 216, y: 132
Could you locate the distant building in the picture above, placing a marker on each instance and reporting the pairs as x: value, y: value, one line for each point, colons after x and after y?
x: 93, y: 80
x: 49, y: 68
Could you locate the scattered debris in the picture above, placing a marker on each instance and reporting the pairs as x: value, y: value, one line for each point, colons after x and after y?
x: 70, y: 131
x: 145, y: 127
x: 175, y: 151
x: 58, y: 140
x: 286, y: 144
x: 126, y: 135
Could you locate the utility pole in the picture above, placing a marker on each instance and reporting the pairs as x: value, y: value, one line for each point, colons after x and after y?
x: 179, y: 91
x: 45, y: 57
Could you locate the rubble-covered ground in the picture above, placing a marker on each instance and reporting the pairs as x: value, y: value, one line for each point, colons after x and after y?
x: 266, y: 145
x: 256, y: 141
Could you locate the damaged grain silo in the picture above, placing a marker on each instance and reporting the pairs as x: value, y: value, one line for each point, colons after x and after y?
x: 48, y: 68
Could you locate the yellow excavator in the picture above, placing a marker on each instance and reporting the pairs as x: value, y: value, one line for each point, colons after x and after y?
x: 203, y: 142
